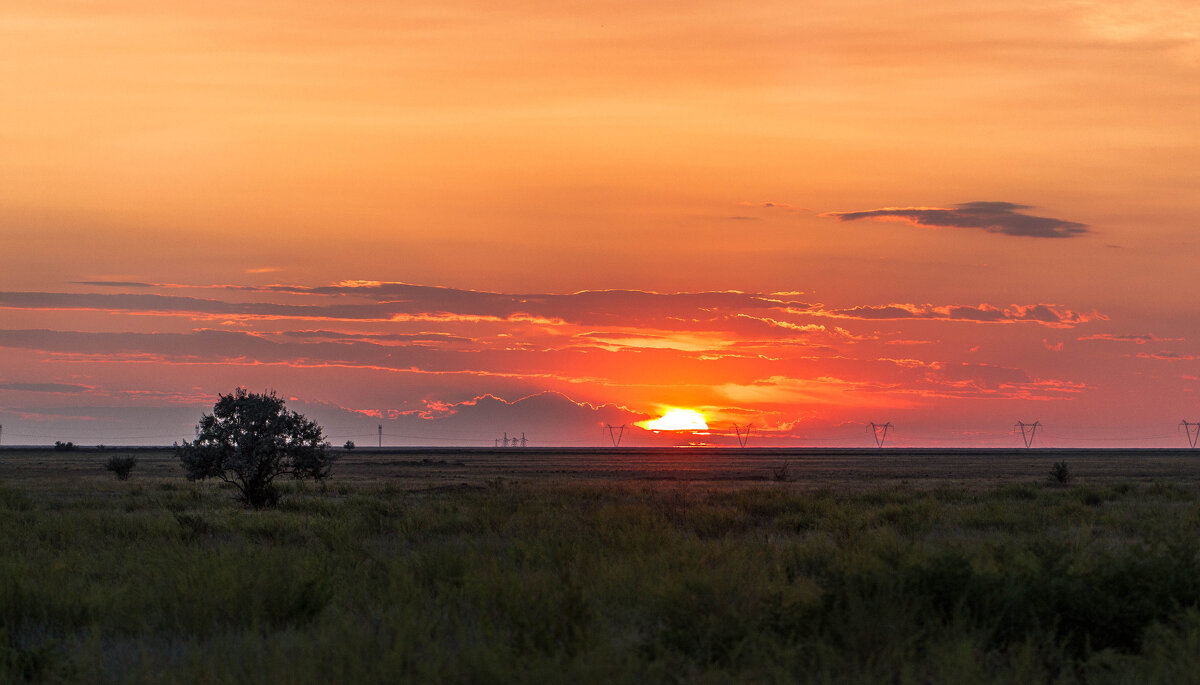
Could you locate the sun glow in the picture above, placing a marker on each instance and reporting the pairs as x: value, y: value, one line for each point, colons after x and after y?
x: 675, y: 419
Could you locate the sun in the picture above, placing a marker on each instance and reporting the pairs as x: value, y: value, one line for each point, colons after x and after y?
x: 675, y: 419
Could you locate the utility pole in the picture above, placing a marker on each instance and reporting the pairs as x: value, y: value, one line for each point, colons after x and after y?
x: 743, y: 438
x: 615, y: 433
x: 1028, y: 431
x: 381, y: 435
x: 1192, y: 430
x: 880, y: 431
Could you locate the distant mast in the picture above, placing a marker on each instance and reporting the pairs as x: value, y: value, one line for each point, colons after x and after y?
x: 615, y: 433
x: 743, y: 434
x: 1028, y: 431
x: 880, y: 431
x: 1192, y: 430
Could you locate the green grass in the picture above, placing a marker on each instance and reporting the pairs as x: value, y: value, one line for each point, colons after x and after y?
x: 168, y: 581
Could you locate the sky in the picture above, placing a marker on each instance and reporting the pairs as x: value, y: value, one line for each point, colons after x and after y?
x: 459, y: 219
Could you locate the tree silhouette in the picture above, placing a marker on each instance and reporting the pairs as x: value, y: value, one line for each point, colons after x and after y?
x: 249, y: 440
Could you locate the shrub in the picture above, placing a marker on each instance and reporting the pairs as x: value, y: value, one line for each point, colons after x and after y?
x: 349, y: 445
x: 121, y: 466
x: 1060, y: 473
x: 781, y: 474
x: 63, y: 446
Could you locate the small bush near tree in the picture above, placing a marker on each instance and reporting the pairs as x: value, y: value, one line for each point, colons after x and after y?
x: 781, y: 473
x: 251, y: 439
x: 1060, y: 474
x: 121, y: 465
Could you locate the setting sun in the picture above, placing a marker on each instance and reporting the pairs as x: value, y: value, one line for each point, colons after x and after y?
x: 676, y: 420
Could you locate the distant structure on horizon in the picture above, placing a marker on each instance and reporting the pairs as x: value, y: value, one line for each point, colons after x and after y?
x: 1191, y: 429
x: 1028, y: 431
x: 743, y: 438
x: 513, y: 441
x: 615, y: 433
x: 880, y: 431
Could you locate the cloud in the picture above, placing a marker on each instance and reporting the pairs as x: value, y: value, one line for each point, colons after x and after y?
x: 1051, y: 315
x: 44, y: 387
x: 714, y: 311
x: 643, y: 348
x: 593, y: 364
x: 1136, y: 339
x: 777, y: 206
x: 398, y: 303
x: 116, y: 284
x: 1146, y: 24
x: 993, y: 217
x: 545, y: 418
x: 1167, y: 356
x: 387, y: 337
x: 990, y: 381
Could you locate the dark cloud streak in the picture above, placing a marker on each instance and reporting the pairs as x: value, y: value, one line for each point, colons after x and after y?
x: 1046, y: 314
x: 993, y: 217
x: 44, y: 387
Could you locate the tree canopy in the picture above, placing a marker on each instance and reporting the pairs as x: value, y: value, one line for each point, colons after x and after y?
x: 249, y: 440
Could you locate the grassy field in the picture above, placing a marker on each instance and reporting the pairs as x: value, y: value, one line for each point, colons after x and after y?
x: 445, y: 572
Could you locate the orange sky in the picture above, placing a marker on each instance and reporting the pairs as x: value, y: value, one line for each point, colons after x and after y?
x: 917, y: 179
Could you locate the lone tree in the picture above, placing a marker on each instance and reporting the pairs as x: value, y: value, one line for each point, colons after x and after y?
x: 249, y: 440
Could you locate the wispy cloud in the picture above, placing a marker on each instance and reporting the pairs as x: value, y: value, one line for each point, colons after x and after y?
x: 423, y: 336
x: 400, y: 302
x: 44, y: 387
x: 1136, y: 339
x: 1052, y: 315
x: 776, y: 206
x: 993, y: 217
x: 1168, y: 356
x: 116, y: 284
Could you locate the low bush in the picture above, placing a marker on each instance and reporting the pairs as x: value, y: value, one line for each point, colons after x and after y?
x: 1060, y: 473
x: 121, y: 465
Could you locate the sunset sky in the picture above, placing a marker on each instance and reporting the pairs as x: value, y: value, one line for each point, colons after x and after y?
x: 457, y: 219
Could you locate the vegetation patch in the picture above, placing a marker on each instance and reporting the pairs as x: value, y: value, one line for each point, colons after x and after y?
x: 536, y: 582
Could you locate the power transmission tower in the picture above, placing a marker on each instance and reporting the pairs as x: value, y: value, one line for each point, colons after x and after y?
x: 879, y: 431
x: 1028, y: 431
x: 743, y: 438
x: 381, y: 435
x: 506, y: 438
x: 1192, y: 430
x: 1, y: 434
x: 523, y: 439
x: 497, y: 442
x: 615, y: 433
